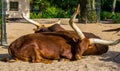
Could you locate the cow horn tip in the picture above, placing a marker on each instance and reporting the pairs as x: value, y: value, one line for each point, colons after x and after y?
x: 116, y: 42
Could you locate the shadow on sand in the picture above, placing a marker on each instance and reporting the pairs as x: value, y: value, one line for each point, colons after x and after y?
x: 111, y: 56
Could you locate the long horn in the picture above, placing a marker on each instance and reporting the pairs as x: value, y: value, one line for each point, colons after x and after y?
x: 38, y: 24
x: 31, y: 21
x: 74, y: 26
x: 105, y: 42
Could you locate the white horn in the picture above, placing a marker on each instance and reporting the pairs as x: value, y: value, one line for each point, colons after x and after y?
x: 38, y: 24
x: 74, y: 26
x: 105, y: 42
x: 31, y: 21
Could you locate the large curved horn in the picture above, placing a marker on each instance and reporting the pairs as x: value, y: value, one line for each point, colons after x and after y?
x: 105, y: 42
x: 38, y: 24
x: 31, y: 21
x: 74, y: 26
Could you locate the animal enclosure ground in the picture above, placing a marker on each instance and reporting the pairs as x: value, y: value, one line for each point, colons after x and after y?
x: 109, y: 61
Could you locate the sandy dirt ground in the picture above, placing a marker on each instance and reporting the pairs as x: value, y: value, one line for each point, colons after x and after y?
x: 109, y: 61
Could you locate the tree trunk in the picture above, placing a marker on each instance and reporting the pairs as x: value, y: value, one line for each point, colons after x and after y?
x: 113, y: 7
x: 88, y: 11
x: 91, y: 11
x: 83, y: 11
x: 32, y: 5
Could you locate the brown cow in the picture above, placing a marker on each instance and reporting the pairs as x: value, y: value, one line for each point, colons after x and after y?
x: 46, y: 46
x: 56, y: 27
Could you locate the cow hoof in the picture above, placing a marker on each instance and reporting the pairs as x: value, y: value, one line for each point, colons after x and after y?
x: 78, y: 57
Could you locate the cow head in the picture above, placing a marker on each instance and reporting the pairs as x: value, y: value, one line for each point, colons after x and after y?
x: 89, y: 45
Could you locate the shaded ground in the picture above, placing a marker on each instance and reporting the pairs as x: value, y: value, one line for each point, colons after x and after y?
x: 109, y: 61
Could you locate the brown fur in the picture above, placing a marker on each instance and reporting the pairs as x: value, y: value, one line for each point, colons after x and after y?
x: 38, y: 47
x: 46, y: 46
x: 54, y: 42
x: 95, y: 49
x: 53, y: 28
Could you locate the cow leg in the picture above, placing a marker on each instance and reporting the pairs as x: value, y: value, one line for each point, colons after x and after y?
x: 82, y: 48
x: 78, y: 55
x: 37, y: 58
x: 66, y: 52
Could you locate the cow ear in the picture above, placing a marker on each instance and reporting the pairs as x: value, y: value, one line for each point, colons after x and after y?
x: 76, y: 40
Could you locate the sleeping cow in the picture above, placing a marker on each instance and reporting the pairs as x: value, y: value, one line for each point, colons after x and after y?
x: 47, y: 46
x: 56, y: 27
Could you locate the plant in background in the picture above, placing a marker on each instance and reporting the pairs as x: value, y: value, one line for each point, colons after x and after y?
x: 65, y: 8
x: 116, y: 17
x: 50, y: 12
x: 105, y: 15
x: 53, y: 12
x: 35, y: 15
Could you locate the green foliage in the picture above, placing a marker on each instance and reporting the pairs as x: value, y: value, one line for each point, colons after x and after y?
x: 105, y: 15
x: 107, y: 5
x: 53, y: 8
x: 116, y: 17
x: 1, y: 12
x: 50, y: 12
x: 65, y: 8
x: 53, y: 12
x: 35, y: 15
x: 108, y: 15
x: 39, y: 5
x: 92, y: 17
